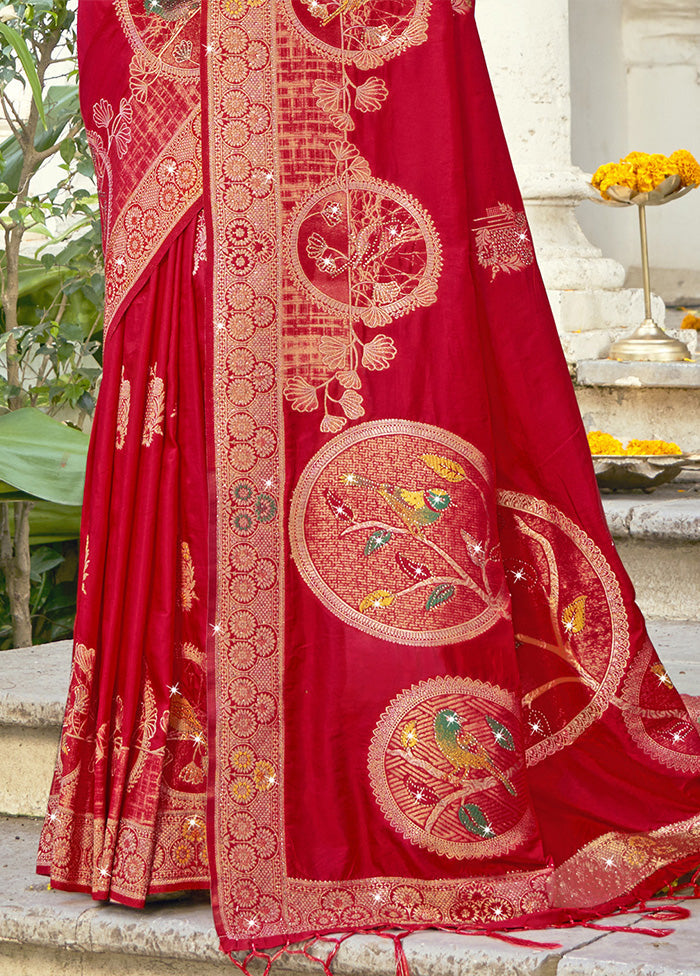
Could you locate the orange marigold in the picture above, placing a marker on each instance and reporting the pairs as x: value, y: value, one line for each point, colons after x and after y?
x: 652, y: 447
x: 691, y: 321
x: 601, y: 443
x: 688, y: 166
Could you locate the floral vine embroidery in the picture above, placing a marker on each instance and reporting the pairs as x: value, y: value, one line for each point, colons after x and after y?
x: 155, y: 408
x: 188, y: 593
x: 123, y: 411
x: 418, y: 510
x: 462, y: 6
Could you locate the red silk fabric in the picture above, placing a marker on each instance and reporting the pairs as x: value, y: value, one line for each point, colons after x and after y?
x: 349, y: 604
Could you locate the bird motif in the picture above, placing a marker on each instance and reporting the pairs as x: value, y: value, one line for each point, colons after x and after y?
x: 418, y: 508
x: 463, y: 749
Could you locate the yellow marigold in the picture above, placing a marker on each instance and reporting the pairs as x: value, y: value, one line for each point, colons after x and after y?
x: 688, y: 166
x: 691, y: 321
x: 602, y: 443
x: 652, y: 447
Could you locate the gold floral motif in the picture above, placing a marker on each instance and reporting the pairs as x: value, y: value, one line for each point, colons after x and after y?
x: 187, y: 592
x: 503, y: 242
x: 86, y: 564
x: 462, y: 6
x: 155, y: 408
x: 123, y: 411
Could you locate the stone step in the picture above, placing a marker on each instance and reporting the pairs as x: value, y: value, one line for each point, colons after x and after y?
x: 658, y: 539
x: 47, y: 933
x: 34, y: 686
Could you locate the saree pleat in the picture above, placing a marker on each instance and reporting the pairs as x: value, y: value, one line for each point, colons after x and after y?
x: 126, y: 815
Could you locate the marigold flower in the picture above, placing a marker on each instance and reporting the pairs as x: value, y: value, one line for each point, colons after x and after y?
x: 635, y: 447
x: 688, y: 166
x: 601, y: 443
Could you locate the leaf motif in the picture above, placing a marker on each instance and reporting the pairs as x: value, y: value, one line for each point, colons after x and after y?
x: 501, y: 734
x: 416, y: 571
x: 377, y: 600
x: 343, y: 150
x: 342, y: 121
x: 368, y: 58
x: 352, y: 404
x: 349, y: 379
x: 441, y: 594
x: 377, y: 540
x: 378, y: 353
x: 316, y: 246
x: 409, y: 736
x: 360, y: 167
x: 420, y: 792
x: 374, y: 317
x: 102, y: 113
x: 449, y: 470
x: 574, y: 616
x: 332, y: 424
x: 328, y: 95
x: 473, y: 819
x: 340, y: 509
x: 370, y: 95
x: 334, y: 353
x: 475, y: 549
x: 301, y: 395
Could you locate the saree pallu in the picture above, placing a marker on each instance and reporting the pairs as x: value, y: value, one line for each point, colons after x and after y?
x: 354, y: 648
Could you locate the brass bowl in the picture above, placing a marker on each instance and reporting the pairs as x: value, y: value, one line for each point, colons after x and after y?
x: 622, y: 196
x: 625, y: 472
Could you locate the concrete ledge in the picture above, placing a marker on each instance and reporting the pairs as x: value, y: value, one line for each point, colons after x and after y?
x: 44, y: 933
x: 34, y: 685
x: 610, y: 372
x: 669, y: 514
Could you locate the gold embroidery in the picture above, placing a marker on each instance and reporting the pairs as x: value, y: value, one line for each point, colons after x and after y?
x: 447, y: 769
x: 187, y: 583
x: 86, y: 563
x: 462, y: 6
x: 504, y: 242
x: 362, y: 249
x: 123, y: 411
x: 377, y: 531
x: 548, y: 561
x: 155, y: 408
x: 656, y: 717
x: 361, y: 32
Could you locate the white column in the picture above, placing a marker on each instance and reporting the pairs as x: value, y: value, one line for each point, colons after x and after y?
x: 527, y: 50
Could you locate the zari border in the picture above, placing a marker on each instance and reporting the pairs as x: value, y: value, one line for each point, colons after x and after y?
x: 160, y: 203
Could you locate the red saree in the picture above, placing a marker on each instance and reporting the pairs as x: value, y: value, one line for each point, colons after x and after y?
x: 354, y: 648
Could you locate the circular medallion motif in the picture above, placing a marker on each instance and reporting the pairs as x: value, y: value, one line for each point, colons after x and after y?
x: 656, y: 718
x: 165, y: 33
x: 365, y: 249
x: 446, y: 767
x: 569, y: 619
x: 390, y: 528
x: 361, y: 32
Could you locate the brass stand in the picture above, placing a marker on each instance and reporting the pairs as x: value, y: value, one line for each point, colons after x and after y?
x: 648, y: 342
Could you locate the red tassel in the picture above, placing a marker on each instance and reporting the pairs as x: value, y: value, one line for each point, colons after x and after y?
x: 633, y: 929
x: 401, y: 960
x: 514, y: 940
x: 668, y: 913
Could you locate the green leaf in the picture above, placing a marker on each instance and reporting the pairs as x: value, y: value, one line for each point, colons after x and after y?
x: 15, y: 40
x: 42, y: 560
x: 474, y: 820
x: 42, y: 457
x: 501, y: 734
x: 378, y: 539
x: 441, y: 594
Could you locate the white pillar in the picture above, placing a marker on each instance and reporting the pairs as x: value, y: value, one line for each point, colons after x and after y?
x: 527, y: 50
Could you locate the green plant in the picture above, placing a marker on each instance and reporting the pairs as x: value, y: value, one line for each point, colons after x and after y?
x: 51, y: 300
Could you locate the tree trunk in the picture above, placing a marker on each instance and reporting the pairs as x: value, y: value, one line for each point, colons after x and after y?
x: 15, y: 564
